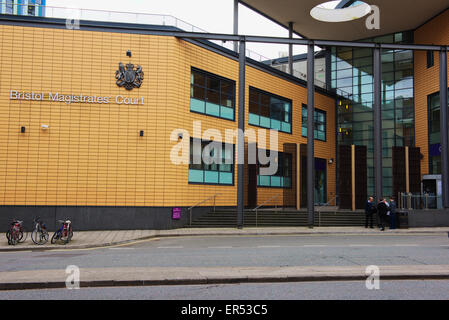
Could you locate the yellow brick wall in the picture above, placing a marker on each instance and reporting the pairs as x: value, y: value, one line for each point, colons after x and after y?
x: 92, y: 154
x: 427, y: 80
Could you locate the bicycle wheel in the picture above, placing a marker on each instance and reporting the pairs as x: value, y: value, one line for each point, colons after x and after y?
x: 69, y: 235
x: 22, y: 236
x: 43, y: 237
x: 14, y: 237
x: 55, y: 237
x: 8, y: 236
x: 39, y: 237
x: 34, y: 236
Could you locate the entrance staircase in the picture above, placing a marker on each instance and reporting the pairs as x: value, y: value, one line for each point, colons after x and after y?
x: 325, y: 217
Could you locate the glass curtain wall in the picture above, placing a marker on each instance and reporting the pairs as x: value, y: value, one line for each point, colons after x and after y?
x: 434, y: 133
x: 352, y: 77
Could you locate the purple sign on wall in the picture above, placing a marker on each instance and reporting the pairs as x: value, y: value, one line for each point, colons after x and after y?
x: 176, y: 213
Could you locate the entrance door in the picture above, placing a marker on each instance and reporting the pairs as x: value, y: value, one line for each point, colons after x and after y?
x: 252, y: 186
x: 320, y: 181
x: 320, y: 192
x: 252, y: 178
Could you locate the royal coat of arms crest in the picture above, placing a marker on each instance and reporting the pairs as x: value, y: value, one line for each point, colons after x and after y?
x: 129, y: 78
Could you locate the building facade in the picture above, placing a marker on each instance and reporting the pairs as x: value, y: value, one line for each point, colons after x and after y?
x: 108, y: 124
x: 75, y: 144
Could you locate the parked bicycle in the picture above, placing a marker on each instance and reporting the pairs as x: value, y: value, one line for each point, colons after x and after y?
x: 64, y: 233
x: 39, y: 235
x: 16, y: 234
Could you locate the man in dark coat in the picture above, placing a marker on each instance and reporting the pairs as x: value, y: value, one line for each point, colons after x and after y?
x: 382, y: 209
x: 392, y: 213
x: 370, y: 209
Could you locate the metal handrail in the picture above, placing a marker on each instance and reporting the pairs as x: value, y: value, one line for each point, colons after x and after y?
x: 322, y: 206
x: 265, y: 202
x: 410, y: 201
x: 327, y: 203
x: 201, y: 202
x: 273, y: 197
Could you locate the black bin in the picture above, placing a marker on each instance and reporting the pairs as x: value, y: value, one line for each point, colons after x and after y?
x: 402, y: 219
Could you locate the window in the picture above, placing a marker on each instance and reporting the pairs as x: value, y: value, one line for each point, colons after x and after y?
x: 269, y: 111
x: 9, y: 7
x: 31, y: 10
x: 217, y: 167
x: 319, y: 123
x: 430, y: 59
x: 212, y: 95
x: 283, y: 176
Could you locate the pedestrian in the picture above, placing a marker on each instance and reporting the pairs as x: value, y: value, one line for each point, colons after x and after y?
x: 382, y: 209
x: 370, y: 209
x: 392, y: 213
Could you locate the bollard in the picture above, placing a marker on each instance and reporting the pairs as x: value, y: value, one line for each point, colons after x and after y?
x: 409, y: 201
x: 426, y: 197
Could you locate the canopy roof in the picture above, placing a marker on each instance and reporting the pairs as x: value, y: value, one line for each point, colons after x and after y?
x: 395, y: 16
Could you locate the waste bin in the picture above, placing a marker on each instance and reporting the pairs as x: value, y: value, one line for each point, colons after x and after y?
x: 402, y: 217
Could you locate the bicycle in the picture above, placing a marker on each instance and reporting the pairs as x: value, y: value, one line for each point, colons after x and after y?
x: 64, y: 233
x: 16, y: 233
x: 40, y: 234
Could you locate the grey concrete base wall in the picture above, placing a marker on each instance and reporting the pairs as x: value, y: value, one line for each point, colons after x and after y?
x: 428, y: 218
x: 100, y: 218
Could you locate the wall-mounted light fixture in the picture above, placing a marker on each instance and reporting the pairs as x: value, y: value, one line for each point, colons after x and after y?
x: 22, y: 130
x: 128, y: 53
x: 141, y: 133
x: 331, y: 160
x: 180, y: 136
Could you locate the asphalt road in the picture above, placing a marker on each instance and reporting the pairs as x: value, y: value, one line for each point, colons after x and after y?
x: 213, y: 251
x: 354, y: 290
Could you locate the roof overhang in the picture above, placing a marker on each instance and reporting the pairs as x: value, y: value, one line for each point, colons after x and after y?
x: 395, y: 16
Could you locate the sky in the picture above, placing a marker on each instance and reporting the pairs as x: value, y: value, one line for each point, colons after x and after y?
x: 214, y: 16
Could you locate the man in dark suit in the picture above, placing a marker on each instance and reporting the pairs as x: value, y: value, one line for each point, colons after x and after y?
x: 382, y: 209
x: 392, y: 213
x: 370, y: 209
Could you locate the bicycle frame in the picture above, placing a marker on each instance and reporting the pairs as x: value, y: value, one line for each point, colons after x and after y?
x: 63, y: 231
x: 16, y: 230
x: 39, y: 226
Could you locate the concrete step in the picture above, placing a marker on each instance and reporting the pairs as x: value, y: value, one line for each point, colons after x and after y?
x: 227, y: 218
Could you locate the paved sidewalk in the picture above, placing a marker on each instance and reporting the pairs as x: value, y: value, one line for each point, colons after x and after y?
x: 92, y: 239
x: 107, y: 277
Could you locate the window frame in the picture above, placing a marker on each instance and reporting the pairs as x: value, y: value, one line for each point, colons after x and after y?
x: 259, y: 103
x: 281, y: 159
x: 430, y: 58
x: 208, y: 75
x: 205, y: 143
x: 304, y: 123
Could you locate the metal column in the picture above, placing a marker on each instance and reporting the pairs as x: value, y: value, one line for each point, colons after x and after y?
x: 241, y: 137
x: 378, y: 122
x: 236, y: 23
x: 310, y: 132
x: 290, y: 48
x: 443, y: 128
